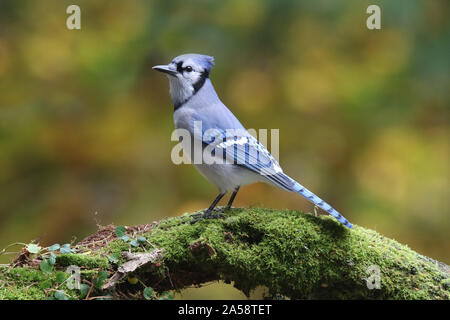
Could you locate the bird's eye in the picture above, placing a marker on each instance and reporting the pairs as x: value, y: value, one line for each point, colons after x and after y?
x: 188, y: 68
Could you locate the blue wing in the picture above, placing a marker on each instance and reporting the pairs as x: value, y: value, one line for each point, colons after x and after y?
x: 237, y: 146
x: 240, y: 148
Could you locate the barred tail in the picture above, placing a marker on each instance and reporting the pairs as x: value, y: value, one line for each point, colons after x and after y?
x: 320, y: 203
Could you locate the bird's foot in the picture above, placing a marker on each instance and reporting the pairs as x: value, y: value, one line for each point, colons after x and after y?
x: 220, y: 209
x: 206, y: 215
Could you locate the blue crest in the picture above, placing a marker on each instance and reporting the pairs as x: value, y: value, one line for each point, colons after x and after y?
x: 206, y: 62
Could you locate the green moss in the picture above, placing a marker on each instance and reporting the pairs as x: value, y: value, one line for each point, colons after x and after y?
x: 292, y: 254
x: 297, y: 255
x: 116, y: 248
x: 82, y: 260
x: 30, y: 284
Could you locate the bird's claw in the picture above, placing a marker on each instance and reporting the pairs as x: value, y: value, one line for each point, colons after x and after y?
x: 207, y: 215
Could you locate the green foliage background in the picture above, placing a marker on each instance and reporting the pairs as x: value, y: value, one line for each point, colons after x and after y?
x: 85, y: 123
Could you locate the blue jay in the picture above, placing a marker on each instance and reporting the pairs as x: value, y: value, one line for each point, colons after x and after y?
x: 240, y: 158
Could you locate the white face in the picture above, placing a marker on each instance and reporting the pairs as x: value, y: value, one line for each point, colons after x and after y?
x: 187, y: 80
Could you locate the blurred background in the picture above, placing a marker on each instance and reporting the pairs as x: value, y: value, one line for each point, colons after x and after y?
x: 85, y: 123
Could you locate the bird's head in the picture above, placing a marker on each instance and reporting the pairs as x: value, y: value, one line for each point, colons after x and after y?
x: 187, y: 74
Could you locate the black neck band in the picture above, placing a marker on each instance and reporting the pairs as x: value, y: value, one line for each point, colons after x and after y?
x: 199, y: 84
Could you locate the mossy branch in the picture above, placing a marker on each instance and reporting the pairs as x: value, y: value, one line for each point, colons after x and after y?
x: 293, y: 254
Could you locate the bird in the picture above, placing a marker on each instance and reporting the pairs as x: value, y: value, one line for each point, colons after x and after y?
x: 239, y: 159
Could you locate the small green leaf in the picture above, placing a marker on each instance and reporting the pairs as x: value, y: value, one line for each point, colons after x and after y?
x: 52, y: 259
x: 148, y: 293
x: 33, y: 248
x: 103, y: 274
x: 65, y: 248
x: 46, y: 284
x: 120, y: 231
x: 60, y: 295
x: 134, y: 243
x: 98, y: 283
x: 100, y: 280
x: 125, y: 238
x: 45, y: 266
x: 84, y: 289
x: 133, y: 280
x: 142, y: 239
x: 166, y: 295
x: 54, y: 247
x: 60, y: 277
x: 114, y: 257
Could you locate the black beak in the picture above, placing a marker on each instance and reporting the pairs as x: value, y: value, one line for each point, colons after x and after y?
x: 165, y: 69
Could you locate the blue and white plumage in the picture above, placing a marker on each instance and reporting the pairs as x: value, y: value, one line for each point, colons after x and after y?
x: 240, y: 159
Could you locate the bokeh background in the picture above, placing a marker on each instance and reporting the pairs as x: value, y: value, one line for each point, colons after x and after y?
x: 85, y: 123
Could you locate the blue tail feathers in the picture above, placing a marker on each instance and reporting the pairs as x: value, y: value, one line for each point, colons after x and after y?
x: 320, y: 203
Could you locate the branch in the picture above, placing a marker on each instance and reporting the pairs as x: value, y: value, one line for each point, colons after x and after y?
x: 293, y: 254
